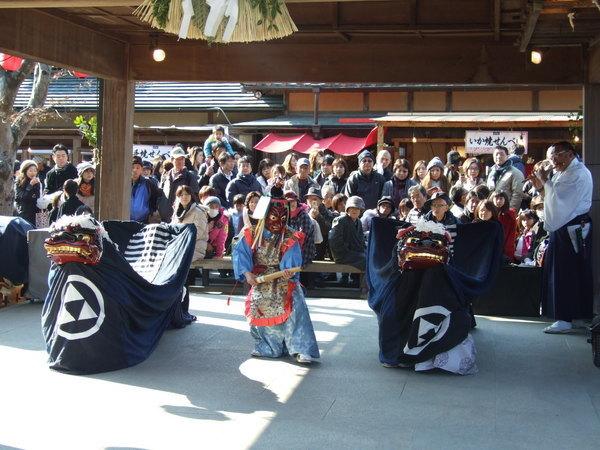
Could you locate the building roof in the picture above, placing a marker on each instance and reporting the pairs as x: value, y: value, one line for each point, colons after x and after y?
x: 462, y: 119
x: 307, y: 121
x: 82, y: 94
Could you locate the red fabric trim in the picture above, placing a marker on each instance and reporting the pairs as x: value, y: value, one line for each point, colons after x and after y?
x: 271, y: 321
x: 248, y: 236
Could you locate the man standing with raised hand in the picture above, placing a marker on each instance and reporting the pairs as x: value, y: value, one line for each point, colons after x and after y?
x: 567, y: 291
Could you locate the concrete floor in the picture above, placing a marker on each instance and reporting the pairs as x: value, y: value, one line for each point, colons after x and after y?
x: 200, y: 389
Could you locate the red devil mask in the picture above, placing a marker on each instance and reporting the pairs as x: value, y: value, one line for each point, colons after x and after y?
x: 277, y: 216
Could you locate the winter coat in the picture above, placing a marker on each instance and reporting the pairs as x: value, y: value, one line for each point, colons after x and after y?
x: 242, y: 184
x: 197, y: 215
x: 212, y: 143
x: 510, y: 181
x: 509, y: 226
x: 393, y: 189
x: 172, y: 180
x: 347, y: 242
x: 156, y: 201
x: 68, y: 208
x: 26, y: 197
x: 367, y: 187
x: 293, y: 184
x: 339, y: 184
x: 219, y: 182
x: 55, y: 178
x: 517, y: 163
x: 218, y: 228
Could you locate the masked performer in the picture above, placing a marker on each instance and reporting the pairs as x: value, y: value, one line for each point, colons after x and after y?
x: 278, y: 315
x: 421, y: 293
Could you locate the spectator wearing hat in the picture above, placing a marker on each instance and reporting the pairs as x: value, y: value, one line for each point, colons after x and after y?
x: 179, y: 175
x: 28, y: 189
x: 346, y: 238
x: 384, y: 159
x: 434, y: 180
x: 339, y: 176
x: 301, y: 181
x: 301, y: 221
x: 218, y: 227
x: 215, y: 140
x: 326, y: 170
x: 148, y: 169
x: 385, y: 209
x: 365, y: 182
x: 504, y: 177
x: 146, y: 197
x: 86, y: 181
x: 397, y: 187
x: 245, y: 181
x: 418, y: 197
x: 223, y: 177
x: 62, y: 171
x: 440, y: 213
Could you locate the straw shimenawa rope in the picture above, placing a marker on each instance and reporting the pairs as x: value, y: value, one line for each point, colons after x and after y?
x: 246, y: 30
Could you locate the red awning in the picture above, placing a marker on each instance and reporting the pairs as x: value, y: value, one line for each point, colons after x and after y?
x: 303, y: 143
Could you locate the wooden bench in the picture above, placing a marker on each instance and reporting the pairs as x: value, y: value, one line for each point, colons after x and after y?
x: 224, y: 263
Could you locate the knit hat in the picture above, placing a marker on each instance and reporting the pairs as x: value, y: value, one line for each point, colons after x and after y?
x: 26, y: 164
x: 435, y: 162
x: 82, y: 167
x: 387, y: 200
x: 365, y: 154
x: 147, y: 164
x: 290, y: 195
x: 355, y: 202
x: 453, y: 157
x: 208, y: 200
x: 328, y: 159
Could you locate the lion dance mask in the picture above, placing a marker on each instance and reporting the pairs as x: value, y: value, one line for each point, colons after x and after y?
x: 75, y: 239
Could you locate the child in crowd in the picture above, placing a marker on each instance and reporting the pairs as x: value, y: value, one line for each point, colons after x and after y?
x: 236, y: 214
x: 507, y: 217
x: 71, y: 205
x: 218, y: 225
x: 526, y: 222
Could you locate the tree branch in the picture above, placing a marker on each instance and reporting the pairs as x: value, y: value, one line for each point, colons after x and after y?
x: 28, y: 116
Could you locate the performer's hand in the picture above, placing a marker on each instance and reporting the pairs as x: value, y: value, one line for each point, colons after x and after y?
x: 287, y: 274
x: 250, y: 278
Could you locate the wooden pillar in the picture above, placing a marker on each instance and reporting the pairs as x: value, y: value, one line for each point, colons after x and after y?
x: 76, y: 151
x: 591, y: 157
x: 380, y: 137
x: 117, y: 145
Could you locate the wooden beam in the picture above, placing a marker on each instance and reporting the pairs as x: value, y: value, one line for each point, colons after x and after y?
x: 43, y: 37
x: 354, y: 62
x: 497, y: 15
x: 21, y: 4
x: 532, y: 18
x: 117, y: 145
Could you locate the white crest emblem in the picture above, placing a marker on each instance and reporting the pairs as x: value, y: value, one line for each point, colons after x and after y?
x: 429, y: 330
x: 78, y: 317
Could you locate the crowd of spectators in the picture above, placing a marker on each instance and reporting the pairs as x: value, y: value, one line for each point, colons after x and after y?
x: 216, y: 188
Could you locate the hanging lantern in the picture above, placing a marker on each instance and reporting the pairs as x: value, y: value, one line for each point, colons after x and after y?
x: 10, y: 63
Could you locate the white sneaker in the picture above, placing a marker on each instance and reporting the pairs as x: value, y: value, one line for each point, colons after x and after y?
x: 559, y: 327
x: 303, y: 359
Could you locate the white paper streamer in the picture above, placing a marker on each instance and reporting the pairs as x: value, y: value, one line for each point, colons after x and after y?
x: 188, y: 13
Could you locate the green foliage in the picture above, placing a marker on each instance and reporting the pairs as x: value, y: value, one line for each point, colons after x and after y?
x: 88, y: 128
x: 576, y: 129
x: 160, y: 10
x: 269, y: 10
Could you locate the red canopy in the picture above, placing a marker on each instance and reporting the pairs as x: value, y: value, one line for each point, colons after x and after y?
x: 303, y: 143
x: 10, y: 63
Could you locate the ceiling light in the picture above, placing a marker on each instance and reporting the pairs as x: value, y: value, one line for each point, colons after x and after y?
x: 536, y: 57
x: 414, y: 139
x: 158, y: 55
x: 576, y: 139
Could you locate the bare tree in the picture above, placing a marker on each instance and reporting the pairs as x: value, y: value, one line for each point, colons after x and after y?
x: 14, y: 125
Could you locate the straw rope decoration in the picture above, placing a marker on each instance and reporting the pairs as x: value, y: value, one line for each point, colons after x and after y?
x: 257, y: 20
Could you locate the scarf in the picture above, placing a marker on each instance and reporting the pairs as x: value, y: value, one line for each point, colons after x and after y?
x: 182, y: 211
x: 499, y: 171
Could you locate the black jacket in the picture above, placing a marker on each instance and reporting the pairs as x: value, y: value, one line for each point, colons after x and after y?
x: 367, y: 187
x: 338, y: 183
x: 347, y: 242
x: 56, y: 177
x: 68, y: 208
x: 171, y: 181
x: 242, y: 184
x: 26, y: 197
x: 219, y: 182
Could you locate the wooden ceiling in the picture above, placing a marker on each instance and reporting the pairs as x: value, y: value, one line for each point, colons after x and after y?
x: 452, y: 30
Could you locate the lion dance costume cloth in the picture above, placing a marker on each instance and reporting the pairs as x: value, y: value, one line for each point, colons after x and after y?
x: 114, y: 289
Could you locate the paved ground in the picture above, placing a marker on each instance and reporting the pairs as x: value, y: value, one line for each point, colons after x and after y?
x: 200, y: 389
